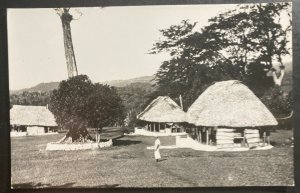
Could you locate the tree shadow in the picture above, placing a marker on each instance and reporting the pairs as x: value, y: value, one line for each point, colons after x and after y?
x: 107, y: 186
x: 32, y: 185
x: 125, y: 142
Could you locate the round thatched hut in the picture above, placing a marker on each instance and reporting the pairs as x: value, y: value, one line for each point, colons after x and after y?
x: 229, y: 114
x: 162, y: 115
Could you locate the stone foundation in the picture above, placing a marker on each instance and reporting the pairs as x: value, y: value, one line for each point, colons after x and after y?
x: 77, y: 146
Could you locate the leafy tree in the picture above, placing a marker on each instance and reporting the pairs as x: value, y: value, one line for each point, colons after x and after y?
x: 78, y: 104
x: 30, y: 98
x: 278, y: 102
x: 134, y: 96
x: 239, y: 44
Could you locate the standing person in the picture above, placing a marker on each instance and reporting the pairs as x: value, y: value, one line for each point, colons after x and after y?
x: 156, y: 152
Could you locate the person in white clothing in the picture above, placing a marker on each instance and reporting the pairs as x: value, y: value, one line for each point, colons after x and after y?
x: 156, y: 151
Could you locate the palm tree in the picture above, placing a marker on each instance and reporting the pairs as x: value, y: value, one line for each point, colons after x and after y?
x: 66, y: 19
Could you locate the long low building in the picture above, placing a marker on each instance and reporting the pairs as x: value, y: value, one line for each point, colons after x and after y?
x: 31, y: 120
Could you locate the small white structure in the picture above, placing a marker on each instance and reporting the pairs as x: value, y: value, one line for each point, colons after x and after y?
x: 31, y: 120
x: 162, y: 116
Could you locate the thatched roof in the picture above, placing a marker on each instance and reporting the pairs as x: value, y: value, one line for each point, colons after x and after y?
x: 230, y: 104
x: 162, y: 109
x: 31, y: 116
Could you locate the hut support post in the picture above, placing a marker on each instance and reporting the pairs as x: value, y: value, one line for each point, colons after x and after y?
x: 200, y: 136
x: 207, y: 136
x: 264, y: 138
x: 159, y: 127
x: 244, y: 139
x: 154, y: 127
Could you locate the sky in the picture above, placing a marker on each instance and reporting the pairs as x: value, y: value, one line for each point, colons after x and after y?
x: 110, y: 43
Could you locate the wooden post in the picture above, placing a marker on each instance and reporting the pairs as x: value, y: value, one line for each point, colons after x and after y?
x: 154, y: 127
x: 268, y: 139
x: 207, y: 136
x: 244, y: 139
x: 159, y: 127
x: 200, y: 136
x: 264, y: 138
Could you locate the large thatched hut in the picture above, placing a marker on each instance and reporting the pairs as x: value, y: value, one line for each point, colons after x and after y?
x: 229, y: 114
x: 163, y: 115
x: 32, y: 120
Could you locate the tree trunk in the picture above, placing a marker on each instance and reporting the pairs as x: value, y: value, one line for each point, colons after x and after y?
x: 76, y: 135
x: 66, y: 19
x: 278, y: 80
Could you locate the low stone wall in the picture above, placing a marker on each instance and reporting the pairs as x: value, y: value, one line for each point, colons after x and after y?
x: 77, y: 146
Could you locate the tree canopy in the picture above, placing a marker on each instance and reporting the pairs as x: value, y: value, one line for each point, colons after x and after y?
x: 78, y: 104
x: 241, y: 44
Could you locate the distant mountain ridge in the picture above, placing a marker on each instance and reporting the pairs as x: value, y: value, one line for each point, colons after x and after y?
x: 46, y: 87
x: 123, y: 83
x: 147, y: 80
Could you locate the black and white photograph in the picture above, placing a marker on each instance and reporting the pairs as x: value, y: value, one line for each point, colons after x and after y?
x: 195, y: 95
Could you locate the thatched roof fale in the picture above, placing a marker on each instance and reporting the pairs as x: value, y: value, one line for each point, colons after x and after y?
x: 31, y: 116
x: 164, y: 110
x: 230, y: 104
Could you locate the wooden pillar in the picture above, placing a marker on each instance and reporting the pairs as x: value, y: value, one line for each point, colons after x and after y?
x: 154, y: 127
x: 207, y: 140
x: 159, y: 127
x: 200, y: 135
x: 244, y: 139
x: 264, y: 138
x: 268, y: 139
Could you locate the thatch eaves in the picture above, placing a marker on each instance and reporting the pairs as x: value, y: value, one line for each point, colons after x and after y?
x: 230, y: 104
x: 164, y: 110
x: 32, y: 116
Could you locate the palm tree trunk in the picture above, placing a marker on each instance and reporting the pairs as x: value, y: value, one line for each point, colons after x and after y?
x: 66, y: 19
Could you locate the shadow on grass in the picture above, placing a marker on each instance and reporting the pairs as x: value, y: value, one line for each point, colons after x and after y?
x: 125, y: 142
x: 107, y: 186
x: 163, y: 159
x: 32, y: 185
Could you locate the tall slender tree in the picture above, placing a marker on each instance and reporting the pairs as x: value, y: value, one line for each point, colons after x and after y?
x: 66, y: 18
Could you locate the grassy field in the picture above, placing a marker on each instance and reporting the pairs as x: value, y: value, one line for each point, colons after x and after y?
x: 130, y: 164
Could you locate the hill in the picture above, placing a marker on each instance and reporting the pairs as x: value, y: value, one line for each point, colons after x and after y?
x: 46, y: 87
x: 42, y: 87
x: 123, y: 83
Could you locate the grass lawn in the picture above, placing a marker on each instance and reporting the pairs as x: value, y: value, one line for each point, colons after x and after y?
x: 130, y: 164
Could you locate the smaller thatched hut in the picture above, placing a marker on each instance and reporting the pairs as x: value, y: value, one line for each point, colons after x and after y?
x: 229, y: 114
x: 34, y: 120
x: 163, y: 115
